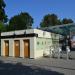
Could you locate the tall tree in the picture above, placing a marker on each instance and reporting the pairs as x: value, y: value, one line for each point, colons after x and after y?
x: 21, y: 21
x: 50, y: 20
x: 67, y: 21
x: 2, y: 27
x: 3, y: 16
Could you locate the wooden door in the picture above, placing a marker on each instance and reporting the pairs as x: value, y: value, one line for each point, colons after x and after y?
x: 17, y: 48
x: 6, y: 48
x: 26, y: 49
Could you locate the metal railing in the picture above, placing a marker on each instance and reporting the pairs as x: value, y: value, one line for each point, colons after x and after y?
x: 56, y: 51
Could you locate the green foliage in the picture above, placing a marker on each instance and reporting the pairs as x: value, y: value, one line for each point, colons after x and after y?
x: 3, y: 16
x: 21, y: 21
x: 66, y: 21
x: 2, y: 27
x: 52, y: 20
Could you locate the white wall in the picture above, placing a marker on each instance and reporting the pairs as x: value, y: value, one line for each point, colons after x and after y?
x: 38, y: 53
x: 11, y: 46
x: 43, y: 34
x: 40, y: 33
x: 40, y: 48
x: 33, y: 52
x: 31, y: 39
x: 2, y: 48
x: 28, y: 31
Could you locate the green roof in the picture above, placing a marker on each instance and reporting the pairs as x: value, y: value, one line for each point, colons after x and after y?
x: 61, y: 29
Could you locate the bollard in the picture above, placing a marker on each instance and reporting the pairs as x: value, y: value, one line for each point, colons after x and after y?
x: 59, y: 50
x: 51, y: 51
x: 68, y: 50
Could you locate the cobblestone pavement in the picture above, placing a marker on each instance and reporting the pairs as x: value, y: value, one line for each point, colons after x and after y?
x: 40, y: 66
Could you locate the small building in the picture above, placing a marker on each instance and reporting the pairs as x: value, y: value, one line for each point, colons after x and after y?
x: 28, y: 43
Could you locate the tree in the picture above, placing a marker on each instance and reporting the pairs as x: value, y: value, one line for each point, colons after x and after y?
x: 21, y: 21
x: 3, y: 16
x: 67, y: 21
x: 50, y: 20
x: 2, y: 27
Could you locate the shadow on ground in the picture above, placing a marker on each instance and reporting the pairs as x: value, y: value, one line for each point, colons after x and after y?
x: 19, y: 69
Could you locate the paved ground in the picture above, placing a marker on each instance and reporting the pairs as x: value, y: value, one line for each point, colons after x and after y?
x: 41, y: 66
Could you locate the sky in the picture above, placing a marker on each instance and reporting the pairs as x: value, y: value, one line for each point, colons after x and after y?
x: 39, y: 8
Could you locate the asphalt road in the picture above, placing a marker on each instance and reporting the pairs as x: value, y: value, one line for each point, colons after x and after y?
x: 40, y: 66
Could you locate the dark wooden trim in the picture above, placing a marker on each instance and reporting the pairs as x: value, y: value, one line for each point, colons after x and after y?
x: 19, y: 36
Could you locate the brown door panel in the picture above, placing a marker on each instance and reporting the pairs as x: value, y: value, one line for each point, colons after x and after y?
x: 26, y: 48
x: 17, y: 48
x: 6, y: 48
